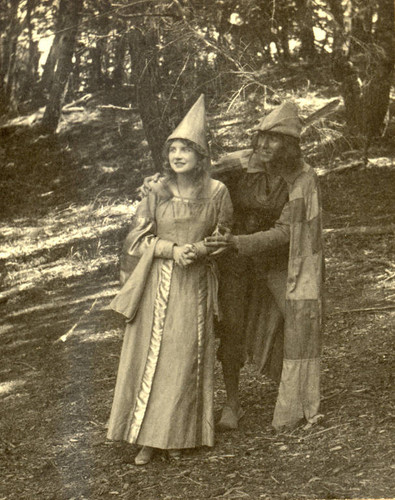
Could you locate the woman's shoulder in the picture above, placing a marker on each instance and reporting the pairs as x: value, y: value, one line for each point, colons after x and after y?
x: 216, y: 188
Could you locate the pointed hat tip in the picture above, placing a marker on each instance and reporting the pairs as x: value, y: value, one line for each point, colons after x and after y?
x: 194, y: 125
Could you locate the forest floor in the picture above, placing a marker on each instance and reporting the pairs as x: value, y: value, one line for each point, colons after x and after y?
x: 65, y: 207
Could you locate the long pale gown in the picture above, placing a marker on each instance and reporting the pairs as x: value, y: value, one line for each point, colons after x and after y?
x: 164, y: 390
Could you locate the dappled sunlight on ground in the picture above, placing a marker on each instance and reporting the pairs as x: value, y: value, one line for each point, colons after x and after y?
x: 77, y: 117
x: 85, y: 222
x: 383, y: 161
x: 62, y: 302
x: 27, y: 343
x: 65, y: 268
x: 4, y: 328
x: 88, y: 336
x: 71, y: 243
x: 11, y: 386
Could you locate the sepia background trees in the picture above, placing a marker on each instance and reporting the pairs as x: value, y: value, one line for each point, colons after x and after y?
x: 159, y: 52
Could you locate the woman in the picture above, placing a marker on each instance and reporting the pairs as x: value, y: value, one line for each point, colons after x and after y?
x: 164, y: 391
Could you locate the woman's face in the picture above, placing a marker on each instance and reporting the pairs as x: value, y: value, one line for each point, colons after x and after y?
x: 182, y: 158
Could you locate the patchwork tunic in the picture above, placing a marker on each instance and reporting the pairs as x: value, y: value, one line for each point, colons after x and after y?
x: 164, y: 390
x: 300, y: 224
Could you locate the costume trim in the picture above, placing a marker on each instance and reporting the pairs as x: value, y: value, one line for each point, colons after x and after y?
x: 159, y: 316
x: 201, y: 326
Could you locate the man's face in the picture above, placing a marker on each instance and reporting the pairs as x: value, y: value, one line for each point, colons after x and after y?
x: 269, y: 147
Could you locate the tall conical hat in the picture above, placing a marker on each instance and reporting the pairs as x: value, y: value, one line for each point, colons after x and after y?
x: 194, y: 126
x: 282, y: 120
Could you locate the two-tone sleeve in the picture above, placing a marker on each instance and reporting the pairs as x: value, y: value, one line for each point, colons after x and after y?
x: 263, y: 241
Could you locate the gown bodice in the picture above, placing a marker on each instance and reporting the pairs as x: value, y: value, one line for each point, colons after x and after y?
x: 186, y: 220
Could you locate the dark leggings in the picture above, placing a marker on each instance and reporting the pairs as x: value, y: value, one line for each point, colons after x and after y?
x: 243, y: 290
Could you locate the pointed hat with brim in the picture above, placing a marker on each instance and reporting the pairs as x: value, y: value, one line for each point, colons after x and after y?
x: 282, y: 120
x: 194, y: 126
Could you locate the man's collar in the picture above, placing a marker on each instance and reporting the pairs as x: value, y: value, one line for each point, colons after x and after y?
x: 290, y: 177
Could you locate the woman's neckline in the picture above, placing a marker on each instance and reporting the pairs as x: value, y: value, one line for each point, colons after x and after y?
x: 200, y: 194
x: 192, y: 192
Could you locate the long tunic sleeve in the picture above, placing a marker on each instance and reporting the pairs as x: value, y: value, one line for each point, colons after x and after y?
x: 265, y: 241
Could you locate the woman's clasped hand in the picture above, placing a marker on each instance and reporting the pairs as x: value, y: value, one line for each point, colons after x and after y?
x: 184, y: 255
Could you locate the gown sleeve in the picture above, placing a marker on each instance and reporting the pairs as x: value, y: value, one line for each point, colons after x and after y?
x: 141, y: 236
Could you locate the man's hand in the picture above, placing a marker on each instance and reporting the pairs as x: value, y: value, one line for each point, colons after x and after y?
x: 184, y: 255
x: 220, y: 241
x: 148, y: 182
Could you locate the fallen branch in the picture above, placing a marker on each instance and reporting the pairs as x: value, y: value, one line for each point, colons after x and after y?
x: 119, y: 108
x: 84, y: 99
x: 26, y: 364
x: 320, y: 113
x: 334, y: 395
x: 234, y: 122
x: 366, y: 309
x: 373, y: 230
x: 64, y: 337
x: 74, y: 109
x: 322, y: 431
x: 343, y: 168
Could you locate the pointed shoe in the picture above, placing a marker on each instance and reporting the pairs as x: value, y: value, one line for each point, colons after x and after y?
x: 144, y: 455
x: 230, y: 418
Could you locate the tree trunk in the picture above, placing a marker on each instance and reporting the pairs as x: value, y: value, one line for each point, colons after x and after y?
x: 285, y: 41
x: 47, y: 76
x: 72, y: 10
x: 306, y: 33
x: 366, y: 72
x: 75, y: 78
x: 376, y: 97
x: 145, y: 77
x: 10, y: 42
x: 33, y: 57
x: 361, y: 25
x: 338, y: 30
x: 95, y: 70
x: 119, y: 58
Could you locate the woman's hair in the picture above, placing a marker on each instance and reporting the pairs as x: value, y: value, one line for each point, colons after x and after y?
x: 203, y: 164
x: 291, y: 152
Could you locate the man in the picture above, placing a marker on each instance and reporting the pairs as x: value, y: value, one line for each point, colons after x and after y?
x: 246, y: 295
x: 297, y: 291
